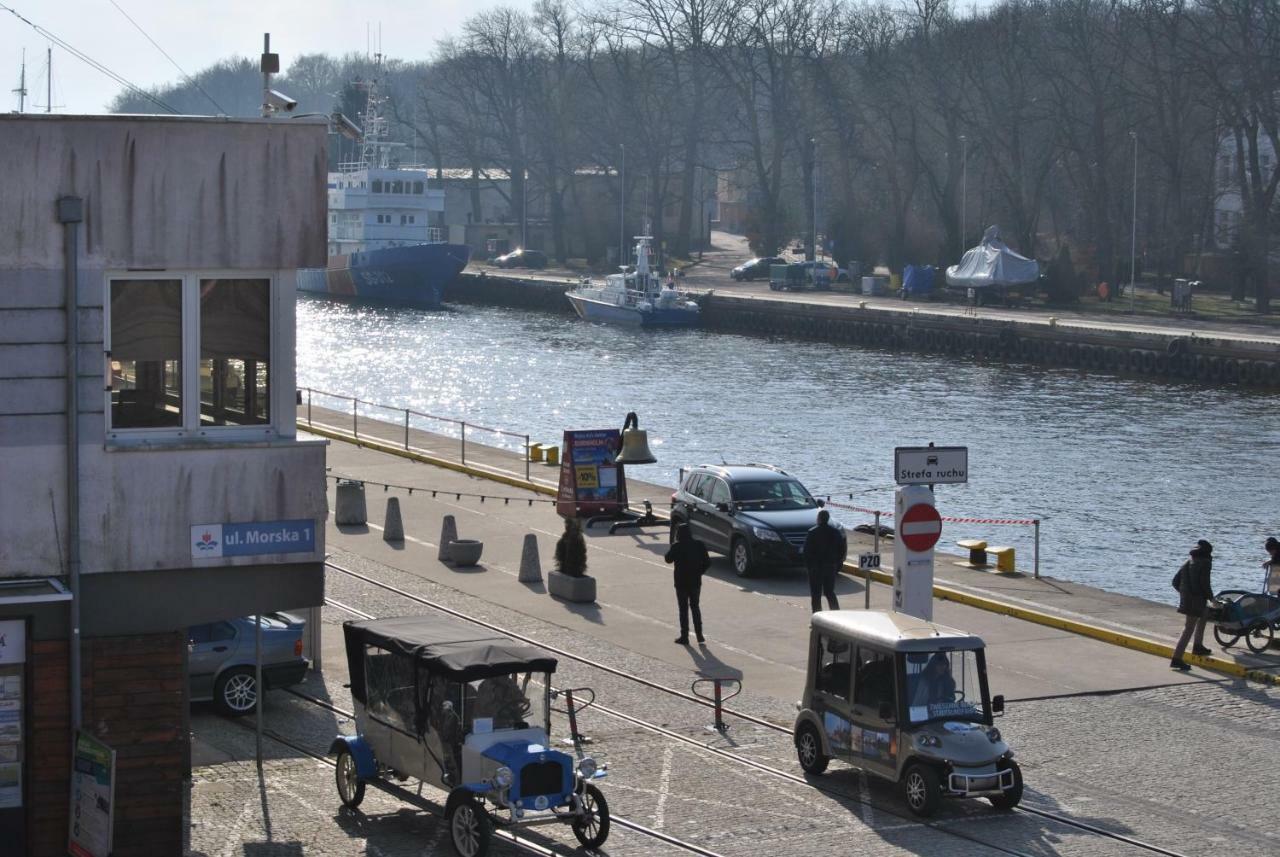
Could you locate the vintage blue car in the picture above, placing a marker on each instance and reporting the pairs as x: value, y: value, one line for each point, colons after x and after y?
x: 469, y: 712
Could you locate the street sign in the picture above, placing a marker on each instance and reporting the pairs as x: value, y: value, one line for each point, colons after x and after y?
x: 930, y: 465
x: 868, y: 561
x: 920, y: 527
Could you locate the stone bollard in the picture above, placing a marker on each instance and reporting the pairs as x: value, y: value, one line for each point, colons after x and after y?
x: 393, y: 529
x: 530, y: 566
x: 448, y: 533
x: 350, y: 507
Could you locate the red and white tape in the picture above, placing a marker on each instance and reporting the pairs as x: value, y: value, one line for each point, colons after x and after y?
x: 1026, y: 522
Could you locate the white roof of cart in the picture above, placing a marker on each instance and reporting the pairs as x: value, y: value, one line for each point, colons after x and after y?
x: 896, y: 631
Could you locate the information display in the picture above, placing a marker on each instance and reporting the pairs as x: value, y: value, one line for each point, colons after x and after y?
x: 13, y: 656
x: 590, y: 482
x: 92, y: 798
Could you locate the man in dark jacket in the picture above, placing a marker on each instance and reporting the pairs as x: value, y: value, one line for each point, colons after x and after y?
x: 691, y: 561
x: 824, y: 549
x: 1194, y: 592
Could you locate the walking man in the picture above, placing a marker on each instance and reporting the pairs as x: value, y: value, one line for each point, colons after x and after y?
x: 691, y: 561
x: 1194, y: 592
x: 824, y: 549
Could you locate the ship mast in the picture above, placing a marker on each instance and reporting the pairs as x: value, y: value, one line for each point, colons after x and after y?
x: 375, y: 149
x: 21, y: 91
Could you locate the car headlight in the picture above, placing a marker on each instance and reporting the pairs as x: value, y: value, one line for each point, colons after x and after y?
x: 765, y: 534
x: 993, y: 735
x: 929, y: 741
x: 502, y: 778
x: 587, y: 767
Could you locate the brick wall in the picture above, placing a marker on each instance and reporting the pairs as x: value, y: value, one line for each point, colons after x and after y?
x: 134, y: 700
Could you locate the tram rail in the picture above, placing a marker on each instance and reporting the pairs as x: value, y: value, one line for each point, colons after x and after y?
x: 940, y: 826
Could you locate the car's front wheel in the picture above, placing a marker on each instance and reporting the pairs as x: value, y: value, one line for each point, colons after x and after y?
x: 470, y: 829
x: 236, y: 692
x: 921, y: 789
x: 1011, y: 797
x: 592, y: 827
x: 350, y: 786
x: 740, y: 554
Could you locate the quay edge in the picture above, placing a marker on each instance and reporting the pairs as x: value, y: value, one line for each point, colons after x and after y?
x: 1213, y: 358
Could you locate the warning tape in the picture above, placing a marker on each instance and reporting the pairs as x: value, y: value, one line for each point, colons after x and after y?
x: 1027, y: 522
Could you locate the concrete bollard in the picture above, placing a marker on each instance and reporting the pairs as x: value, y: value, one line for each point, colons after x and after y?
x: 448, y: 533
x: 393, y: 529
x: 350, y: 506
x: 530, y: 566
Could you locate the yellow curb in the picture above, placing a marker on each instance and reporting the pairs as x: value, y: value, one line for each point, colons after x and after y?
x: 944, y: 593
x: 1105, y: 635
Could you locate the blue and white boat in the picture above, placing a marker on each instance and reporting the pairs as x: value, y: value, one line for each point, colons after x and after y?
x: 638, y: 297
x: 382, y: 246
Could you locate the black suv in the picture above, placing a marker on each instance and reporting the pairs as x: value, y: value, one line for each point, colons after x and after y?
x: 755, y: 514
x: 754, y: 269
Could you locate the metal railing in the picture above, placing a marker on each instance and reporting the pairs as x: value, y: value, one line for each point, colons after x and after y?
x: 447, y: 426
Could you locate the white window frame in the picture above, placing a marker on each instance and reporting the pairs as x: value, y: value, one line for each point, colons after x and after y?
x: 191, y: 428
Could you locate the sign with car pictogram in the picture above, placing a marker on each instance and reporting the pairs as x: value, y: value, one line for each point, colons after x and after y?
x: 931, y: 465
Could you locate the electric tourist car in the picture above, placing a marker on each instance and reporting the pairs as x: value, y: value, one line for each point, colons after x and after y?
x: 906, y: 700
x: 466, y: 711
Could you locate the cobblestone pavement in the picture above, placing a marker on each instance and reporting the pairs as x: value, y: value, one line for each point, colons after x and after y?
x: 1187, y: 768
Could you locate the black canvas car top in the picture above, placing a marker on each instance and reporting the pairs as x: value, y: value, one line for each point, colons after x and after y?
x: 456, y: 649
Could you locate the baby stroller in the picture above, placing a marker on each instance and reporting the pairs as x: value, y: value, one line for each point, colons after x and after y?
x: 1252, y: 615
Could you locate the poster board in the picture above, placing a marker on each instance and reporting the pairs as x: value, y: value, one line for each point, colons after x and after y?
x: 92, y: 798
x: 590, y: 482
x: 13, y: 657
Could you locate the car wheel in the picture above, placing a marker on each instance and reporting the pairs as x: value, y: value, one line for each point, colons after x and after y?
x: 921, y: 790
x: 1258, y: 637
x: 235, y: 693
x: 350, y: 786
x: 809, y: 750
x: 470, y: 829
x: 740, y: 553
x: 592, y: 828
x: 1225, y: 638
x: 1013, y: 796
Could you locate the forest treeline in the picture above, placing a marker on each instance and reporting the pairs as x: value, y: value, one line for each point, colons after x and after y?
x: 914, y: 120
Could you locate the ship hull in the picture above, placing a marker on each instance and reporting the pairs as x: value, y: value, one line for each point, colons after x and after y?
x: 594, y: 310
x: 414, y: 275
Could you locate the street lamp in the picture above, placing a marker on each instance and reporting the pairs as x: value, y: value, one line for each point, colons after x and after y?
x: 1133, y: 235
x: 524, y: 208
x: 964, y: 187
x: 813, y: 150
x: 622, y: 207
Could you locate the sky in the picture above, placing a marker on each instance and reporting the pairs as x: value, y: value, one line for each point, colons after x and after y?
x: 198, y: 33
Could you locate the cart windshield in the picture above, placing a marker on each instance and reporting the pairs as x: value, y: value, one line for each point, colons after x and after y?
x: 945, y: 685
x: 512, y: 701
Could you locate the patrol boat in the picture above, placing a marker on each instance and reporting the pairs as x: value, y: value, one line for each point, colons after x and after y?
x: 381, y: 247
x: 635, y: 296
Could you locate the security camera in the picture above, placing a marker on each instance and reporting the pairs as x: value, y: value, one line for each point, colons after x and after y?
x: 279, y: 101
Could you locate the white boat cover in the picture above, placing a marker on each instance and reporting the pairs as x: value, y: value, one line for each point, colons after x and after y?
x: 992, y: 263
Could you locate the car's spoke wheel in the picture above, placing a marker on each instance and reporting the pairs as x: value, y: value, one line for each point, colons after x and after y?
x: 741, y: 555
x: 469, y: 827
x: 350, y: 786
x: 592, y: 828
x: 809, y: 750
x: 921, y: 789
x: 236, y: 692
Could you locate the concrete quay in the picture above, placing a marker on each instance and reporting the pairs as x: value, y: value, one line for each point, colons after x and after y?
x: 1106, y: 735
x: 1174, y: 348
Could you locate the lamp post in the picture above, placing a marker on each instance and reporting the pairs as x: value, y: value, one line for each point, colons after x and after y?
x: 813, y: 150
x: 524, y: 208
x: 964, y: 187
x: 622, y: 207
x: 1133, y: 234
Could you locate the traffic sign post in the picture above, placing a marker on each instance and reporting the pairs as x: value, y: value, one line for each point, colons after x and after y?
x: 919, y: 528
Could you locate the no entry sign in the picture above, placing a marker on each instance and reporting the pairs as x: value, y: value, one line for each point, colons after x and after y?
x: 920, y: 527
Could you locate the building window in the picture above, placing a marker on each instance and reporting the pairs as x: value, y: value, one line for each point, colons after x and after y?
x: 411, y: 218
x: 235, y: 351
x: 146, y: 353
x: 417, y: 187
x: 397, y: 187
x: 403, y: 220
x: 377, y: 185
x: 189, y: 355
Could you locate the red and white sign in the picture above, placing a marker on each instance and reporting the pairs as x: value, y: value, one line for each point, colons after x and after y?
x: 920, y: 527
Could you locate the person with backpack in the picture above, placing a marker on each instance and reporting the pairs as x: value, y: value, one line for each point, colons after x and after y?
x: 1194, y: 591
x: 691, y: 561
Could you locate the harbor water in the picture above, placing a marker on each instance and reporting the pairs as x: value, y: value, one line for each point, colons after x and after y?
x: 1125, y: 474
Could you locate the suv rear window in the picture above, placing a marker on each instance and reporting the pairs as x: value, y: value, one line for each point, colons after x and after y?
x: 773, y: 494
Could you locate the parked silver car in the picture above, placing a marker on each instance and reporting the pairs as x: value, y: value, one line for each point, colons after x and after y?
x: 221, y: 657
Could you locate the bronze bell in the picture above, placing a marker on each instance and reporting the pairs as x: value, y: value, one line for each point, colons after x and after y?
x: 635, y: 443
